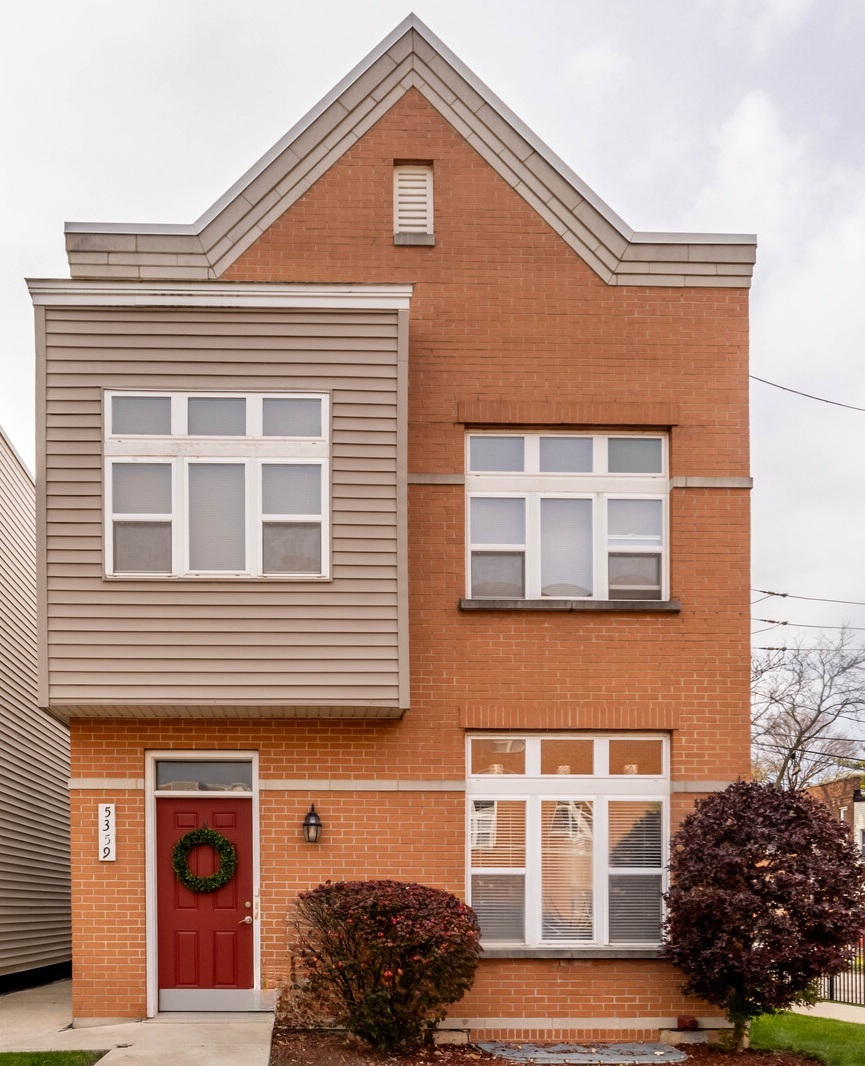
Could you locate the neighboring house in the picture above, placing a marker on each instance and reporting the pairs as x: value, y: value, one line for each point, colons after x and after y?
x: 35, y: 934
x: 845, y: 799
x: 411, y: 483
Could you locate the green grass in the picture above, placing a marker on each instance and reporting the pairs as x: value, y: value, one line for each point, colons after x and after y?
x: 834, y: 1043
x: 50, y: 1058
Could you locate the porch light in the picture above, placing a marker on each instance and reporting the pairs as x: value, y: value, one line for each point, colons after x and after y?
x: 312, y: 826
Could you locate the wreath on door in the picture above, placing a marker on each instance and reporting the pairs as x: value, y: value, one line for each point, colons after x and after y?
x: 224, y: 849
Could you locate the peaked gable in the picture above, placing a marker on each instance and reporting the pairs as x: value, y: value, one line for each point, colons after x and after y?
x: 411, y: 57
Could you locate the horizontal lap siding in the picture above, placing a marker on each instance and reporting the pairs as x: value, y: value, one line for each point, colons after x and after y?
x: 34, y: 756
x: 239, y: 641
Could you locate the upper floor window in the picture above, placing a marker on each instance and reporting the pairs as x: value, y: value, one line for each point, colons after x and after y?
x: 413, y: 203
x: 210, y: 485
x: 568, y: 516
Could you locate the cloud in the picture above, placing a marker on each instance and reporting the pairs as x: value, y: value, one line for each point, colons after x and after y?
x: 761, y: 25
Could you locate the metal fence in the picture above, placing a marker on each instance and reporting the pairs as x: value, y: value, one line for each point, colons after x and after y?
x: 847, y: 987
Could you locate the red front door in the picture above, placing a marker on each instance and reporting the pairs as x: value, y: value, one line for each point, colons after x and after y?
x: 205, y: 939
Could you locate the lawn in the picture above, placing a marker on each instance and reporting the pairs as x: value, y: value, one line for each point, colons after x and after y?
x: 50, y: 1058
x: 834, y: 1043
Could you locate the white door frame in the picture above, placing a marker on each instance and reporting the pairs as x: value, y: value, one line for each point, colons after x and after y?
x: 196, y: 755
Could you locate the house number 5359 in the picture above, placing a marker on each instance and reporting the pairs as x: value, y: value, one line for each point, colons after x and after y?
x: 106, y: 832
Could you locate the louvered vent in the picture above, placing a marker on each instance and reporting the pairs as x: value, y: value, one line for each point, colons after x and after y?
x: 413, y: 199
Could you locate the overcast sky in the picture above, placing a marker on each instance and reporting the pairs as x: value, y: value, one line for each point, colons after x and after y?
x: 743, y: 116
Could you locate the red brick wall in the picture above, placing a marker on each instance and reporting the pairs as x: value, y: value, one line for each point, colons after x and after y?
x: 502, y: 311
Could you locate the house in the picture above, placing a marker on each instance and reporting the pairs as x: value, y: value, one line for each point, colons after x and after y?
x: 846, y: 802
x: 35, y: 922
x: 410, y: 485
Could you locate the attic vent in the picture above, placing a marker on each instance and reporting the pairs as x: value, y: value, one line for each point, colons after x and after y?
x: 413, y: 203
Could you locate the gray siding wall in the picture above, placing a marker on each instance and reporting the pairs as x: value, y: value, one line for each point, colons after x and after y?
x: 118, y: 646
x: 34, y: 755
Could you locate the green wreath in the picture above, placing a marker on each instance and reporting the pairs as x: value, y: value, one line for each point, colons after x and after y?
x: 223, y: 848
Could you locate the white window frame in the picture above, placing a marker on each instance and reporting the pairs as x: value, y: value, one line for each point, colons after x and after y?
x: 598, y: 485
x: 253, y: 451
x: 600, y: 789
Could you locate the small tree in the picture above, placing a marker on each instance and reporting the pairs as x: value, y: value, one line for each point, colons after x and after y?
x: 767, y: 894
x: 383, y: 958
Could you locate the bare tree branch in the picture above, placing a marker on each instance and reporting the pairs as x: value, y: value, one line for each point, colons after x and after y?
x: 808, y: 711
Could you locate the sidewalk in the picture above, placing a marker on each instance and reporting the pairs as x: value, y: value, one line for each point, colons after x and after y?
x: 839, y: 1012
x: 39, y: 1019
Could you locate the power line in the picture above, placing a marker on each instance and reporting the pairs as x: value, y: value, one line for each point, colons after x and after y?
x: 807, y: 395
x: 773, y: 622
x: 814, y: 599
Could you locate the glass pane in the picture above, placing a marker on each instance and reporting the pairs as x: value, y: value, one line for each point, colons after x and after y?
x: 499, y: 902
x: 141, y: 414
x: 635, y: 577
x: 502, y: 756
x: 635, y: 523
x: 141, y: 488
x: 498, y: 520
x: 566, y: 547
x: 498, y: 833
x: 217, y: 416
x: 566, y: 455
x: 217, y: 516
x: 636, y: 757
x: 635, y: 833
x: 635, y: 908
x: 498, y: 575
x: 291, y: 548
x: 565, y: 756
x: 291, y: 417
x: 496, y: 454
x: 217, y: 776
x: 291, y: 489
x: 142, y: 548
x: 566, y: 870
x: 634, y: 455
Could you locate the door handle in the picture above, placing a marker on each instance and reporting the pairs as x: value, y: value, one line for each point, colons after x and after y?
x: 246, y: 921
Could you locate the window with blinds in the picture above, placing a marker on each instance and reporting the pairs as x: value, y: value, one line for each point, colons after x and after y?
x: 230, y: 485
x: 567, y: 838
x: 413, y: 202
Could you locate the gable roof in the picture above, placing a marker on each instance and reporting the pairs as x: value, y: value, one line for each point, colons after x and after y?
x: 410, y: 57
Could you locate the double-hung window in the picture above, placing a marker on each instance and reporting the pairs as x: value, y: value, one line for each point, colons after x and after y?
x: 576, y: 516
x: 566, y: 839
x: 203, y: 485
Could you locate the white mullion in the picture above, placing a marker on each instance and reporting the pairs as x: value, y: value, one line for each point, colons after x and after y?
x: 600, y: 460
x: 531, y: 453
x: 533, y: 546
x: 600, y: 871
x: 179, y: 414
x: 180, y: 540
x: 252, y: 481
x: 254, y: 415
x: 534, y: 857
x: 601, y: 548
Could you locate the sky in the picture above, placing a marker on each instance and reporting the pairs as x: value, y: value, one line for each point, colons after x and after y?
x: 740, y: 116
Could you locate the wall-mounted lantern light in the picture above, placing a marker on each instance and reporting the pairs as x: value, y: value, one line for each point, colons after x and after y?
x: 312, y: 826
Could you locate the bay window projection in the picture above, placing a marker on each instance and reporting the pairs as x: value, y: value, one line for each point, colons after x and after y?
x: 567, y: 839
x: 574, y: 517
x: 200, y: 485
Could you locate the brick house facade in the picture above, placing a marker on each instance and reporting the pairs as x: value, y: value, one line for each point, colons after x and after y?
x: 433, y: 514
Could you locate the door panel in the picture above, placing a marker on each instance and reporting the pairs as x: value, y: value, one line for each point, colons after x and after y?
x: 203, y: 941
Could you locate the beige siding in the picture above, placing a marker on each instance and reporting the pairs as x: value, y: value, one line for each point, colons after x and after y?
x: 236, y: 642
x: 34, y: 755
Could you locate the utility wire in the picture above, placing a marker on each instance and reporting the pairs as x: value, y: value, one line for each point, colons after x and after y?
x: 772, y: 622
x: 813, y: 599
x: 807, y: 395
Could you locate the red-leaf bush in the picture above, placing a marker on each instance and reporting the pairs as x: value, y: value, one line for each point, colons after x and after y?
x: 768, y: 894
x: 384, y: 958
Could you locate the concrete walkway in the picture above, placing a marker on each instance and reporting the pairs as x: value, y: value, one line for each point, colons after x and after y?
x: 40, y: 1019
x: 840, y: 1012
